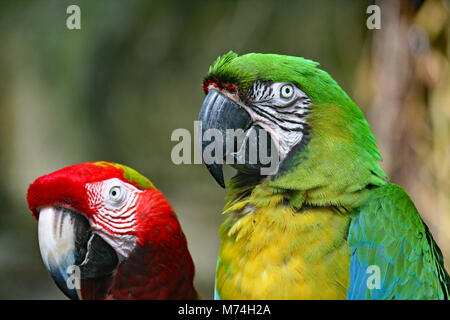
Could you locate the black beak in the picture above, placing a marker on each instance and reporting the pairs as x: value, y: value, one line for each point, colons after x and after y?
x: 220, y: 113
x: 236, y: 137
x: 80, y: 262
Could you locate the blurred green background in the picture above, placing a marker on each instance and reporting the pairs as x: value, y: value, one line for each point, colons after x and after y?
x: 116, y: 89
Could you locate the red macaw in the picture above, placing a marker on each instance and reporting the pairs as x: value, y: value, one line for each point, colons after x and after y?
x: 105, y: 232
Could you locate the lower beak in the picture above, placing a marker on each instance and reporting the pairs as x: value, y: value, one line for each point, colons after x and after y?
x: 72, y: 253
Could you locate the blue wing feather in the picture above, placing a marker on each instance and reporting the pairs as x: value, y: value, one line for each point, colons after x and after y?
x: 387, y: 232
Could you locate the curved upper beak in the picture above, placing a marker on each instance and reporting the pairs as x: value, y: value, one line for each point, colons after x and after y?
x: 238, y: 141
x: 217, y: 115
x: 74, y: 255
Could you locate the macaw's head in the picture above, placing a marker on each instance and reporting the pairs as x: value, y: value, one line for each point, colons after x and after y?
x: 291, y: 112
x: 106, y: 232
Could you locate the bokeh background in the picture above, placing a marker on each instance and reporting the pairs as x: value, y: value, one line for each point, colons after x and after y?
x: 116, y: 89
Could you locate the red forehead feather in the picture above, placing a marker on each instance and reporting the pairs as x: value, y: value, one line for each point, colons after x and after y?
x: 65, y: 186
x: 219, y: 85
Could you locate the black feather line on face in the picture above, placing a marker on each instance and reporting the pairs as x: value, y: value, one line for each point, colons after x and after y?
x: 294, y: 113
x: 275, y: 119
x: 252, y: 91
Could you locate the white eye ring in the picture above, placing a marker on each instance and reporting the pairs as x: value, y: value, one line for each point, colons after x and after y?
x: 115, y: 194
x: 287, y: 91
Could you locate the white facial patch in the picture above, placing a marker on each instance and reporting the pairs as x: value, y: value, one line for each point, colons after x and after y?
x: 116, y: 205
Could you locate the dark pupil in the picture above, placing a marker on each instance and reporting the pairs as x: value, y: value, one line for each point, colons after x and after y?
x: 287, y: 90
x: 114, y: 193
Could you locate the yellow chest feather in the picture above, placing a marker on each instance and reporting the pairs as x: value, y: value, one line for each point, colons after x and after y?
x: 276, y: 253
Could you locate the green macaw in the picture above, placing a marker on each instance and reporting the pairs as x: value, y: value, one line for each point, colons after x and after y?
x: 325, y: 223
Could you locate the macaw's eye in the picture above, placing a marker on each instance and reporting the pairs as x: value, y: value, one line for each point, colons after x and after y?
x: 287, y: 91
x: 115, y: 193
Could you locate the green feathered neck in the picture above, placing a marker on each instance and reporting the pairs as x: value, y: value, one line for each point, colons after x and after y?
x: 337, y: 164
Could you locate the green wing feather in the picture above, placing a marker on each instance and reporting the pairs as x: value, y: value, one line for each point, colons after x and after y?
x: 389, y: 233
